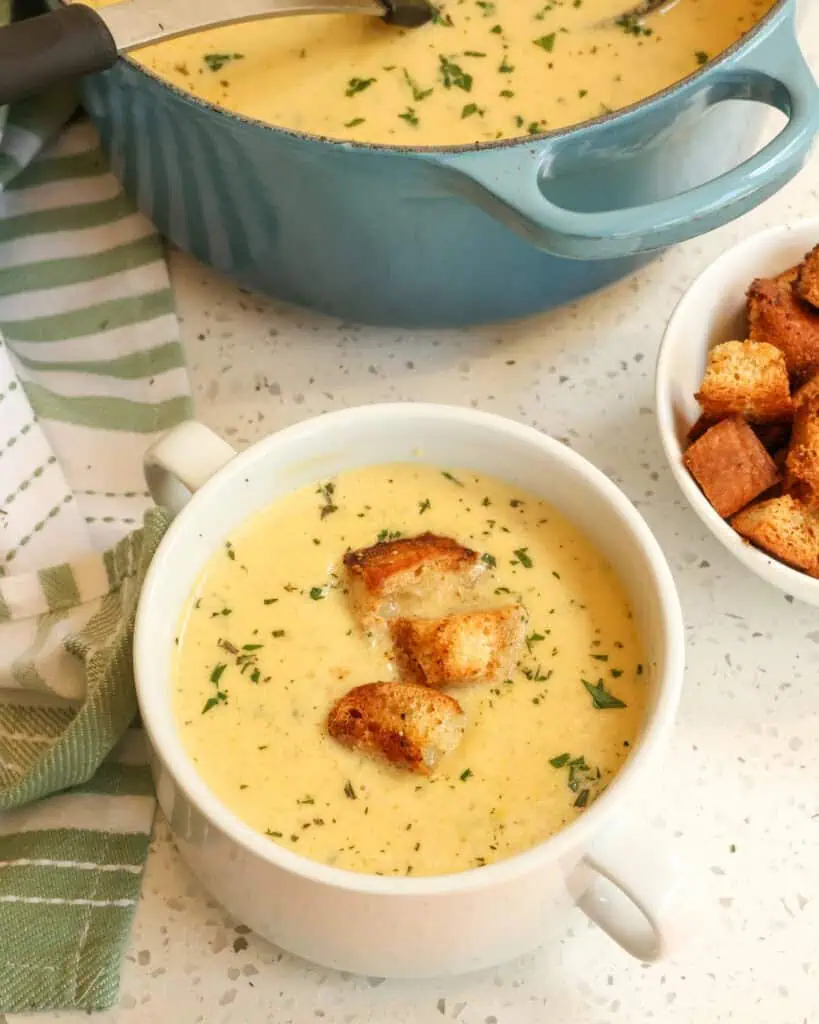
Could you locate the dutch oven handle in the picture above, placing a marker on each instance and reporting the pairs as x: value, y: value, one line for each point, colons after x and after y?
x: 514, y: 195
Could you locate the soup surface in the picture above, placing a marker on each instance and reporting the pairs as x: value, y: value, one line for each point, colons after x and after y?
x: 482, y: 70
x: 269, y: 641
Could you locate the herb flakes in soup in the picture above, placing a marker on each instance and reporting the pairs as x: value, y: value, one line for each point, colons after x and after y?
x: 525, y: 65
x: 544, y: 727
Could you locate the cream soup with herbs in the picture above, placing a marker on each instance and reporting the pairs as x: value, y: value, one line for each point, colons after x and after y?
x: 480, y: 71
x: 272, y: 639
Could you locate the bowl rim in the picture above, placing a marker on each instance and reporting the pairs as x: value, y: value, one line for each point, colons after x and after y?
x: 766, y: 24
x: 151, y: 680
x: 778, y: 574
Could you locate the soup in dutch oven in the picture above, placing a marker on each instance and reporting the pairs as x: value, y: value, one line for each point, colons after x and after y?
x: 482, y: 70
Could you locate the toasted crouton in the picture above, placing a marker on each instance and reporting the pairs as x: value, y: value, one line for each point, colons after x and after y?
x: 746, y: 377
x: 808, y: 390
x: 807, y: 281
x: 409, y: 725
x: 785, y: 528
x: 411, y: 567
x: 730, y: 464
x: 802, y: 464
x: 470, y: 647
x: 778, y: 316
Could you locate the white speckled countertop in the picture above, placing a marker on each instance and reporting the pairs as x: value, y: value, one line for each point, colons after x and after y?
x: 740, y: 792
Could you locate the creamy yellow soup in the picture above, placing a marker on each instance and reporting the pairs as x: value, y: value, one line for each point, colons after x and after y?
x: 485, y: 69
x: 269, y: 641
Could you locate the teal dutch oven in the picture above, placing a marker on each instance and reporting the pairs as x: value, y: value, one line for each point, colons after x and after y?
x: 468, y: 234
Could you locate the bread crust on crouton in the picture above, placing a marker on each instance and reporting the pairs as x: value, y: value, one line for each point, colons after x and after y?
x: 731, y: 466
x: 748, y: 378
x: 802, y: 463
x: 808, y: 390
x: 784, y: 528
x: 457, y: 650
x: 778, y: 316
x: 409, y: 725
x: 807, y: 279
x: 411, y: 565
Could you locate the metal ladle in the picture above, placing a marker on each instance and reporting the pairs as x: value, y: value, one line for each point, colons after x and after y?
x: 76, y: 40
x: 637, y: 12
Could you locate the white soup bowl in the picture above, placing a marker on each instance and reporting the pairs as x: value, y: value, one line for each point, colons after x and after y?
x: 606, y: 862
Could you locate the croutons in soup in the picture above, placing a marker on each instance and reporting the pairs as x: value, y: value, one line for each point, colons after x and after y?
x: 408, y: 670
x: 481, y: 70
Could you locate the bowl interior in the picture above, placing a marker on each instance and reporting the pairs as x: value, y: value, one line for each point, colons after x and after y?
x: 445, y: 437
x: 712, y: 312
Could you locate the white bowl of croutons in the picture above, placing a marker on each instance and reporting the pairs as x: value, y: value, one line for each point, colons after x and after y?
x: 737, y: 392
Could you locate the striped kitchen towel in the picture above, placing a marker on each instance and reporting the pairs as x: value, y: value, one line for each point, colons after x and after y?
x: 91, y: 370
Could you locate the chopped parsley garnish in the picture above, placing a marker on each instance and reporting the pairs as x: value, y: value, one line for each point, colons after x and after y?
x: 601, y: 698
x: 328, y: 505
x: 356, y: 85
x: 467, y: 774
x: 216, y: 61
x: 386, y: 535
x: 356, y: 121
x: 440, y: 17
x: 470, y: 109
x: 270, y: 600
x: 216, y: 674
x: 418, y: 93
x: 317, y: 593
x: 489, y: 560
x: 410, y: 117
x: 546, y: 43
x: 211, y: 702
x: 522, y: 555
x: 560, y: 761
x: 349, y: 792
x: 423, y: 506
x: 451, y: 478
x: 453, y: 75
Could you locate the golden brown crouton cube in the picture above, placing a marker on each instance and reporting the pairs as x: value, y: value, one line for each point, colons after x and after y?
x: 808, y: 390
x: 778, y: 316
x: 409, y: 725
x: 802, y: 464
x: 785, y: 528
x: 412, y: 567
x: 731, y: 466
x: 471, y: 647
x: 748, y: 378
x: 807, y: 281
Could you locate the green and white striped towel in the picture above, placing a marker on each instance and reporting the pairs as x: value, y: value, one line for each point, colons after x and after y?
x: 91, y: 369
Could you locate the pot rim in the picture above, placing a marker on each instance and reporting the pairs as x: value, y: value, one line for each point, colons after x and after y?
x: 652, y: 738
x: 764, y: 25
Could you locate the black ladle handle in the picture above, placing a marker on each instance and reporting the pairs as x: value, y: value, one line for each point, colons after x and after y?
x: 38, y: 53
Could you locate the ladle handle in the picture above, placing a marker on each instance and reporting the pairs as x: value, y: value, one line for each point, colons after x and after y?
x: 41, y: 52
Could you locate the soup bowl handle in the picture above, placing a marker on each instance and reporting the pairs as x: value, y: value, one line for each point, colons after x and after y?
x: 182, y: 461
x: 514, y: 192
x: 629, y: 883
